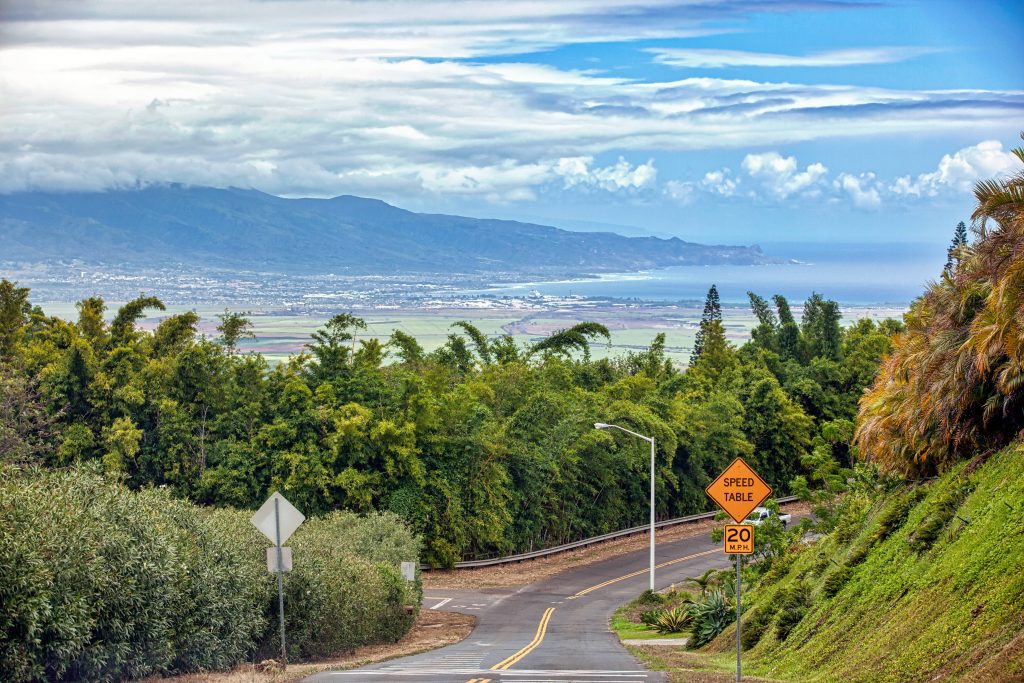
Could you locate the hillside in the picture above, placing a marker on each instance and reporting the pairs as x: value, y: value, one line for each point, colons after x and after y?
x: 252, y: 230
x: 936, y: 594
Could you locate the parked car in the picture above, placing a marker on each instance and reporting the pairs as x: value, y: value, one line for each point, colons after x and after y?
x: 760, y: 515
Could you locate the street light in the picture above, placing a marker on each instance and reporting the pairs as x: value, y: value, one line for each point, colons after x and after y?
x: 649, y: 439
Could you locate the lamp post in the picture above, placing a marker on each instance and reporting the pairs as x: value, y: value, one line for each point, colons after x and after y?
x: 650, y: 440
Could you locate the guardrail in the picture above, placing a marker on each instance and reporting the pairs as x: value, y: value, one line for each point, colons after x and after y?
x: 472, y: 564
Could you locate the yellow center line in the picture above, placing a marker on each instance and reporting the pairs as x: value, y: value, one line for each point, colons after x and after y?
x: 642, y: 571
x: 542, y: 629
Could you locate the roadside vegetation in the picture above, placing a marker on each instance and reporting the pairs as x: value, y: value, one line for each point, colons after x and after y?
x: 484, y: 446
x: 100, y: 583
x: 916, y: 576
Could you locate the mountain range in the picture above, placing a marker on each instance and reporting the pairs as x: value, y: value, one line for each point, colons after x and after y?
x: 251, y: 230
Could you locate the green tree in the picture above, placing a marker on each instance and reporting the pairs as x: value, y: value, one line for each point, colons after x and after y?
x: 712, y: 313
x: 333, y: 346
x: 233, y: 328
x: 953, y: 252
x: 14, y: 310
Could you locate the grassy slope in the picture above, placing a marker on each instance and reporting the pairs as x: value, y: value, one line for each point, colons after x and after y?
x: 952, y: 612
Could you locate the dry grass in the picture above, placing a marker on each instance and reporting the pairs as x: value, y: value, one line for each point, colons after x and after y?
x: 531, y: 571
x: 431, y: 630
x: 683, y: 666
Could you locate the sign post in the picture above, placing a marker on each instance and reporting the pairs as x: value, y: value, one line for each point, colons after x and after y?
x: 278, y: 519
x: 738, y: 490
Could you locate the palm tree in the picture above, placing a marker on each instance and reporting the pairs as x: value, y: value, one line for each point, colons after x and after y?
x: 954, y: 382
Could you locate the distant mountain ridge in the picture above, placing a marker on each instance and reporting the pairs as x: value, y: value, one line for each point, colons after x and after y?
x: 251, y: 230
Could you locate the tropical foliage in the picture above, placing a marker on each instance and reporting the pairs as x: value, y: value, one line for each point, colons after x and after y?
x: 483, y: 446
x: 954, y: 383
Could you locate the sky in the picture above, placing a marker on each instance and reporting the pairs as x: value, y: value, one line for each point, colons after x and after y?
x: 754, y: 121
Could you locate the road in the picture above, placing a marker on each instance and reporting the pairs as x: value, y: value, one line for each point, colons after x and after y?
x: 555, y: 630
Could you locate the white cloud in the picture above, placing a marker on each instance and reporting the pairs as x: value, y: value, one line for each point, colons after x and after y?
x: 577, y: 171
x: 720, y: 182
x: 679, y: 191
x: 863, y: 189
x: 960, y: 170
x: 717, y: 59
x: 368, y: 97
x: 779, y: 175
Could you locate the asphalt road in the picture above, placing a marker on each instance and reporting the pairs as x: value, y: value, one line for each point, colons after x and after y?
x: 555, y: 630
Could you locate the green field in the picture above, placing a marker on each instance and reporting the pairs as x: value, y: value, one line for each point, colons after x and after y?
x: 280, y: 334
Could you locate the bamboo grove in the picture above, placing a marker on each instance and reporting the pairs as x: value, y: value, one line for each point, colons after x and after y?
x: 483, y: 446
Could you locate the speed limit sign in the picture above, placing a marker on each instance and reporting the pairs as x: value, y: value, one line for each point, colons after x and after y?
x: 739, y: 539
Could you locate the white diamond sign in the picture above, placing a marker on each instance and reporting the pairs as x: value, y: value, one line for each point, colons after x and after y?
x: 265, y: 522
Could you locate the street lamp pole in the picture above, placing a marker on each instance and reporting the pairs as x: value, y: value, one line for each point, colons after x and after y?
x: 650, y: 440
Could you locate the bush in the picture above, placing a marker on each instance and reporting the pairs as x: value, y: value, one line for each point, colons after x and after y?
x: 793, y: 605
x: 943, y: 508
x: 99, y: 583
x: 835, y: 581
x: 895, y: 514
x: 672, y: 620
x: 711, y: 614
x: 649, y: 597
x: 102, y: 584
x: 755, y: 626
x: 346, y: 590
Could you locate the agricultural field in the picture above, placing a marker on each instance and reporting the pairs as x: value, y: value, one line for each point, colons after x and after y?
x: 280, y: 334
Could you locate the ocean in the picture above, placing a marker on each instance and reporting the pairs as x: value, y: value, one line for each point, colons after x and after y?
x: 851, y: 273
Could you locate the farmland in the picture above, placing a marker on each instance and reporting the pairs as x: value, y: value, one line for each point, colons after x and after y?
x: 280, y: 334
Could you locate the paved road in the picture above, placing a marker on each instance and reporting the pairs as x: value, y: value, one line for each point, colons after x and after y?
x: 555, y: 630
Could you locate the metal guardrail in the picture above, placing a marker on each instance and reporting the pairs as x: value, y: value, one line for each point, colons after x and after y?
x: 472, y: 564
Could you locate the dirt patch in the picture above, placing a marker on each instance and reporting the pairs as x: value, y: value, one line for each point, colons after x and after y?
x: 531, y: 571
x: 431, y: 630
x: 683, y: 666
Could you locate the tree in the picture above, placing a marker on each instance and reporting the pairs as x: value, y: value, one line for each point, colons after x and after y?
x: 333, y: 345
x: 789, y: 332
x: 575, y: 338
x: 14, y: 309
x: 122, y: 330
x: 233, y: 328
x: 766, y: 333
x: 959, y: 240
x: 821, y: 331
x: 954, y: 382
x: 90, y: 320
x: 712, y: 313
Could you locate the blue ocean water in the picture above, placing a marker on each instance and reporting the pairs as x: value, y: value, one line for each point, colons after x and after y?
x: 851, y: 273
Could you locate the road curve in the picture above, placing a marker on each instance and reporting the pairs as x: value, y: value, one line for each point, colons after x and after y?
x: 555, y: 630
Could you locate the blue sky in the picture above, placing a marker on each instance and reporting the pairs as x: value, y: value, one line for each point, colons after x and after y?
x: 714, y: 121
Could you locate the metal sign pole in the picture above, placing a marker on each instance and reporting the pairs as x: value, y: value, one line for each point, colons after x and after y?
x: 280, y: 577
x: 739, y: 671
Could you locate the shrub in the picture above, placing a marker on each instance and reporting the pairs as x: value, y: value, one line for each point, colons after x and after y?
x: 99, y: 583
x: 710, y: 614
x: 835, y: 581
x: 649, y: 597
x: 755, y: 625
x: 346, y: 590
x: 895, y: 514
x: 672, y: 620
x: 103, y: 584
x: 943, y: 508
x: 650, y: 617
x: 794, y: 602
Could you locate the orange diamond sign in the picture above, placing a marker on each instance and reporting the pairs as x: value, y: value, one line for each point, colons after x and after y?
x: 738, y: 490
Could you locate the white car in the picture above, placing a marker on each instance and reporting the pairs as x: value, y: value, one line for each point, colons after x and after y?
x: 760, y: 515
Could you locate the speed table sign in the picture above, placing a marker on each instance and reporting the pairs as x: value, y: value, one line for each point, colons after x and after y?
x: 738, y: 490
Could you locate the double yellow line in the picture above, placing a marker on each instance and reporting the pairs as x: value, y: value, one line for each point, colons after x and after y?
x: 479, y: 680
x: 542, y: 628
x: 642, y: 571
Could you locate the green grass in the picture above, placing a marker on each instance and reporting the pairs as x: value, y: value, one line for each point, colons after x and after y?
x: 952, y: 610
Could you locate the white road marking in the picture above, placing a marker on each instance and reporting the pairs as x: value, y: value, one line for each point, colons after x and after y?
x: 442, y: 603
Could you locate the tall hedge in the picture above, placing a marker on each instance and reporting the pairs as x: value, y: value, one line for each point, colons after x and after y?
x: 99, y: 583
